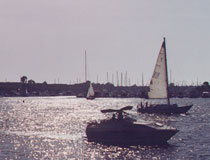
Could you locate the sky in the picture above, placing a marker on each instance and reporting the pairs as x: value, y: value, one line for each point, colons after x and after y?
x: 46, y: 40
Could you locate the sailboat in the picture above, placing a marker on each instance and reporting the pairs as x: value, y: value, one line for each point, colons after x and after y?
x: 90, y: 93
x: 158, y: 88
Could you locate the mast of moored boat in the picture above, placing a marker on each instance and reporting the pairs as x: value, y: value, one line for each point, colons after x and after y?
x: 166, y: 72
x: 85, y: 67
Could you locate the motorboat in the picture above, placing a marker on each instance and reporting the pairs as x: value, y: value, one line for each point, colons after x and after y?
x: 124, y: 130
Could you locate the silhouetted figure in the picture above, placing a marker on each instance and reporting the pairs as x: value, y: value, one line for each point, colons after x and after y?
x: 141, y: 105
x: 120, y: 116
x: 146, y: 104
x: 113, y: 117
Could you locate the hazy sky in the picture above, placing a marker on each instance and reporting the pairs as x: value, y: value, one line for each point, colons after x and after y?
x: 46, y: 39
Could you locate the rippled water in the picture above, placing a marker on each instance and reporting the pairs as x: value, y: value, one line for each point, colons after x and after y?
x: 54, y: 128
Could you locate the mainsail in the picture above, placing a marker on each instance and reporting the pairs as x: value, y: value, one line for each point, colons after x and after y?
x: 159, y: 82
x: 90, y: 91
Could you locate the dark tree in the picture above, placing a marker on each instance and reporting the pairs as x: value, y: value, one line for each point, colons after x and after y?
x: 23, y: 79
x: 205, y: 83
x: 45, y: 83
x: 31, y: 81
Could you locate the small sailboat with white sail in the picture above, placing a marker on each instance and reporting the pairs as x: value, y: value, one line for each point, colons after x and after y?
x: 158, y: 88
x: 90, y: 93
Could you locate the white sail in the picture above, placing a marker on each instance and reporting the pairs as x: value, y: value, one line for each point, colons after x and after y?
x: 91, y: 92
x: 158, y: 84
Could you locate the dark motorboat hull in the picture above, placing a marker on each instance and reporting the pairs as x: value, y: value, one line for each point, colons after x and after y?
x: 165, y: 109
x: 123, y: 134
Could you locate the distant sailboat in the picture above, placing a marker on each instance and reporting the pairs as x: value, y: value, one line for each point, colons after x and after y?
x: 158, y: 88
x: 90, y: 93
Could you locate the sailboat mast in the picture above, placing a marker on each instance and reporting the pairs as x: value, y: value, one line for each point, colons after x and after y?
x: 85, y: 67
x: 166, y: 71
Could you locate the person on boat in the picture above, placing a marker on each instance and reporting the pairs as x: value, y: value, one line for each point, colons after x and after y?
x: 141, y: 104
x: 146, y: 104
x: 113, y: 117
x: 120, y: 116
x: 137, y: 107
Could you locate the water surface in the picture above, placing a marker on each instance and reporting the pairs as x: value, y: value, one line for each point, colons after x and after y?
x: 54, y: 128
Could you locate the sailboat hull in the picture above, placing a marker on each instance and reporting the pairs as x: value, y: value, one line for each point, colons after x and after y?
x: 164, y: 109
x: 90, y: 98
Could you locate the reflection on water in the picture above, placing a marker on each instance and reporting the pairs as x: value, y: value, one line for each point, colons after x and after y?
x: 54, y: 128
